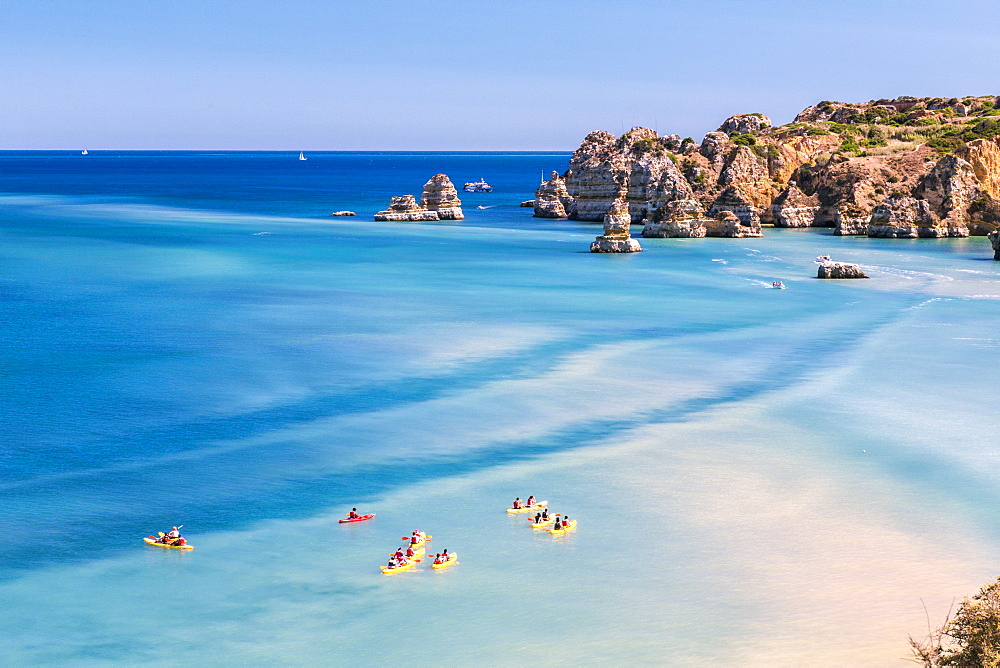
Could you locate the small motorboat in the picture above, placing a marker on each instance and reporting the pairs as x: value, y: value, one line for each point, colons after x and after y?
x: 479, y: 186
x: 822, y: 258
x: 778, y: 285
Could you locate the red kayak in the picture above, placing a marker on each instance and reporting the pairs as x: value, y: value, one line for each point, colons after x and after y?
x: 362, y: 518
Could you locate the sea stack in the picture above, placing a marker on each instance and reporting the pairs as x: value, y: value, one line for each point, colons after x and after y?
x: 552, y: 198
x: 995, y: 240
x: 839, y: 270
x: 616, y: 238
x: 441, y: 197
x: 404, y: 209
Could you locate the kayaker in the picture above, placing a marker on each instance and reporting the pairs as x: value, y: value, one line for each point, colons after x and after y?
x: 545, y: 513
x: 530, y: 502
x: 353, y: 515
x: 517, y: 503
x: 409, y: 551
x: 174, y: 533
x: 415, y: 538
x: 558, y: 524
x: 437, y: 558
x: 538, y: 518
x: 399, y: 554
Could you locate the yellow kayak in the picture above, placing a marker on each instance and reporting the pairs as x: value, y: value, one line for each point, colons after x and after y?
x: 543, y: 523
x: 152, y: 541
x: 569, y: 526
x: 452, y: 560
x: 399, y: 569
x: 525, y: 509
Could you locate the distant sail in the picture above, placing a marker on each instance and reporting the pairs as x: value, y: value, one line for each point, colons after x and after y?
x: 84, y: 152
x: 302, y: 156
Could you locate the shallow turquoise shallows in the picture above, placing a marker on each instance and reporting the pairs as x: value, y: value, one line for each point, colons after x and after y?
x: 768, y: 477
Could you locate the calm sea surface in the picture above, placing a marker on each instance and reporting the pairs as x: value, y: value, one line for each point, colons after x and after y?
x: 776, y: 477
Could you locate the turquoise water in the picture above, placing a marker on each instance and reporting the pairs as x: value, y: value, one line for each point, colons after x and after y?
x: 760, y: 476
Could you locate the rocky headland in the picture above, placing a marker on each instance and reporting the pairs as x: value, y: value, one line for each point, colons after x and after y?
x: 439, y: 201
x: 902, y: 168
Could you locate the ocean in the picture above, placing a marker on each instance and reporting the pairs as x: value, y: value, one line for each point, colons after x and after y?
x: 761, y: 477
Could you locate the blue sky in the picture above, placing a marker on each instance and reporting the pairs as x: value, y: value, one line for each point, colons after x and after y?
x: 426, y: 75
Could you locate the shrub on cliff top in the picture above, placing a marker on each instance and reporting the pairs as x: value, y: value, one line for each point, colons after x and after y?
x: 970, y: 640
x: 744, y: 140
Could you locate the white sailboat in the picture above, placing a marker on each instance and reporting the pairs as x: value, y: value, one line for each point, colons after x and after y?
x: 302, y: 156
x: 84, y: 152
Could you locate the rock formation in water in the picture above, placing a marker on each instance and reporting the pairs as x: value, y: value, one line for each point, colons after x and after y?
x: 404, y: 209
x: 440, y: 196
x: 439, y: 201
x: 683, y: 218
x: 343, y: 213
x: 793, y: 208
x: 831, y: 269
x: 528, y: 204
x: 924, y: 167
x: 995, y: 241
x: 551, y: 198
x: 616, y: 238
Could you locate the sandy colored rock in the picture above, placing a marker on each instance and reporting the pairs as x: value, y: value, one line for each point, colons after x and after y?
x: 343, y: 213
x: 793, y: 208
x: 551, y: 198
x: 404, y: 208
x: 839, y: 270
x: 727, y: 224
x: 440, y: 196
x: 682, y: 218
x: 744, y: 124
x: 616, y: 237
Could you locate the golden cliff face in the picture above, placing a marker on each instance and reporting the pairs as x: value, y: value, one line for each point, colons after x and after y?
x: 904, y: 167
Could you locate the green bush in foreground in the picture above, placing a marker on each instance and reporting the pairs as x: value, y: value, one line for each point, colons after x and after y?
x: 970, y: 640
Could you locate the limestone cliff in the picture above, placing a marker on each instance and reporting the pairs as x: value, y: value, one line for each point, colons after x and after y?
x: 440, y: 195
x: 404, y: 208
x: 616, y: 238
x: 551, y: 198
x: 902, y: 168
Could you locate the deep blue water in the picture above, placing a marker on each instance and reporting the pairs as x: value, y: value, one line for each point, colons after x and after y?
x: 190, y: 338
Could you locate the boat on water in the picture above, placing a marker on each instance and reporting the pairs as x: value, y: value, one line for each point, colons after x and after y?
x: 84, y: 152
x: 823, y: 258
x: 479, y: 186
x: 569, y: 526
x: 525, y: 509
x: 302, y: 156
x: 179, y: 544
x: 778, y: 285
x: 451, y: 560
x: 359, y: 518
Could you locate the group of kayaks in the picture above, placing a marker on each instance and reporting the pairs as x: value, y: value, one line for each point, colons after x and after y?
x: 415, y: 553
x: 555, y: 523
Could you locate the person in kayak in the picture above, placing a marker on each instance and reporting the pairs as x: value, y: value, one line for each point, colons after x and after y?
x: 558, y: 525
x: 441, y: 558
x: 517, y: 503
x: 545, y: 513
x: 537, y: 519
x: 415, y: 538
x: 530, y: 502
x: 409, y: 552
x: 353, y: 515
x: 174, y: 533
x: 399, y: 554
